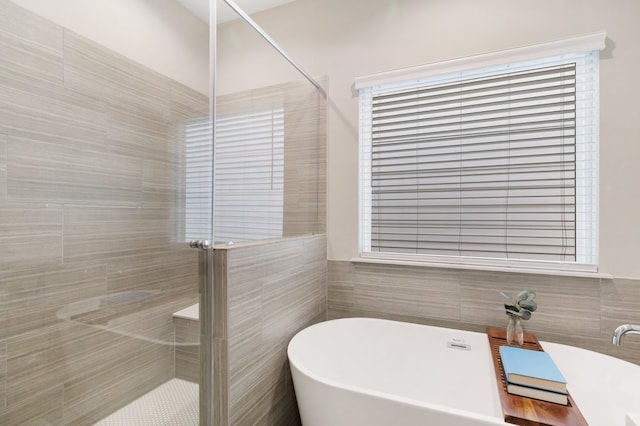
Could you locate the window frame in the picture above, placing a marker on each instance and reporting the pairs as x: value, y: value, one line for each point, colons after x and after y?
x: 590, y: 42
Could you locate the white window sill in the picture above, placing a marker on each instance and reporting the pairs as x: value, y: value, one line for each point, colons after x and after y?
x: 480, y: 266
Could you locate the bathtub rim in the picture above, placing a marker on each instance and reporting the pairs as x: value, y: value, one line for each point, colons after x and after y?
x: 379, y: 394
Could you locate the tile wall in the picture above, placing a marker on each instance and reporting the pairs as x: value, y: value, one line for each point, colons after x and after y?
x: 265, y: 293
x: 581, y: 312
x: 187, y: 361
x: 90, y: 196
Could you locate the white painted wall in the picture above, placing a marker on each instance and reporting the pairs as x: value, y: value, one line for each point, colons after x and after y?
x: 160, y: 34
x: 347, y: 38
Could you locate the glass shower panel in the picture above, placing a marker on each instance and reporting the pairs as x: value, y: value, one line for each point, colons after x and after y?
x: 269, y: 144
x: 269, y: 173
x: 96, y: 278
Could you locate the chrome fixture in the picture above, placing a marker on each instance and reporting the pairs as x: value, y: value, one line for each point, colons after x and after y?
x: 619, y: 332
x: 273, y: 44
x: 200, y: 244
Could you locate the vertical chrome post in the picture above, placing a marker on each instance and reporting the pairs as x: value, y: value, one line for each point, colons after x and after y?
x: 206, y: 336
x: 207, y: 406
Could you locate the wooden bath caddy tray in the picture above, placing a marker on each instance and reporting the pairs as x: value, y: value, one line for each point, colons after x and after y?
x: 519, y: 410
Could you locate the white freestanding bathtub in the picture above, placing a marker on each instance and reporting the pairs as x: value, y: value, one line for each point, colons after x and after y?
x: 372, y: 372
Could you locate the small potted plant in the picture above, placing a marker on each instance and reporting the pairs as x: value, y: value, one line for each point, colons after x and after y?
x: 519, y: 308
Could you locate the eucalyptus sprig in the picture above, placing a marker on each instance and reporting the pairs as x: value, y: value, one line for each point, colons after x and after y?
x: 522, y: 305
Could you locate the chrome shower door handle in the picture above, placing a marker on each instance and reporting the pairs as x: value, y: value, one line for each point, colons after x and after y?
x: 200, y: 244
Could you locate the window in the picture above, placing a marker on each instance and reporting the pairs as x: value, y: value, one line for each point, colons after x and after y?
x: 198, y: 179
x: 249, y: 181
x: 249, y: 176
x: 497, y: 163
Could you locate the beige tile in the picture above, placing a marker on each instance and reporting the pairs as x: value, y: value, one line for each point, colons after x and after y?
x: 116, y: 366
x: 566, y: 305
x: 341, y: 288
x: 19, y: 55
x: 340, y: 271
x: 575, y: 311
x: 149, y: 321
x: 30, y: 236
x: 284, y: 281
x: 244, y: 331
x: 139, y: 135
x: 187, y: 331
x: 221, y: 381
x: 187, y: 103
x: 284, y: 411
x: 30, y: 44
x: 245, y: 341
x: 95, y: 233
x: 31, y: 29
x: 621, y: 305
x: 90, y: 157
x: 33, y: 373
x: 163, y: 184
x: 284, y: 313
x: 51, y: 355
x: 187, y: 357
x: 253, y: 392
x: 34, y: 298
x: 407, y: 291
x: 53, y: 173
x: 105, y: 75
x: 93, y: 397
x: 40, y: 409
x: 52, y: 114
x: 244, y: 299
x: 3, y: 169
x: 334, y: 312
x: 3, y: 375
x: 76, y: 353
x: 286, y: 286
x: 255, y: 377
x: 165, y: 272
x: 187, y: 363
x: 246, y: 261
x: 32, y: 84
x: 305, y: 161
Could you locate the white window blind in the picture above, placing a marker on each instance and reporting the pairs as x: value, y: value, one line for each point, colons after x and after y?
x: 249, y: 177
x: 499, y: 163
x: 198, y: 177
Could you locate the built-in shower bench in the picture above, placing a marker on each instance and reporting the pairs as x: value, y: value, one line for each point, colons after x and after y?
x: 187, y: 329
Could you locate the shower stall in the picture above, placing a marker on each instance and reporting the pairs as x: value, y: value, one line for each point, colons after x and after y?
x: 151, y: 163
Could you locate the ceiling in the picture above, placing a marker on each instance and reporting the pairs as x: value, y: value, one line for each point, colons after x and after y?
x: 200, y: 8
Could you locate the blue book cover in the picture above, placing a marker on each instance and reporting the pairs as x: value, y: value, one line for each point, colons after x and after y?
x: 531, y: 368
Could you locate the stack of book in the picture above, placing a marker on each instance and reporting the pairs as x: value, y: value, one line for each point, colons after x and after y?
x: 533, y: 374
